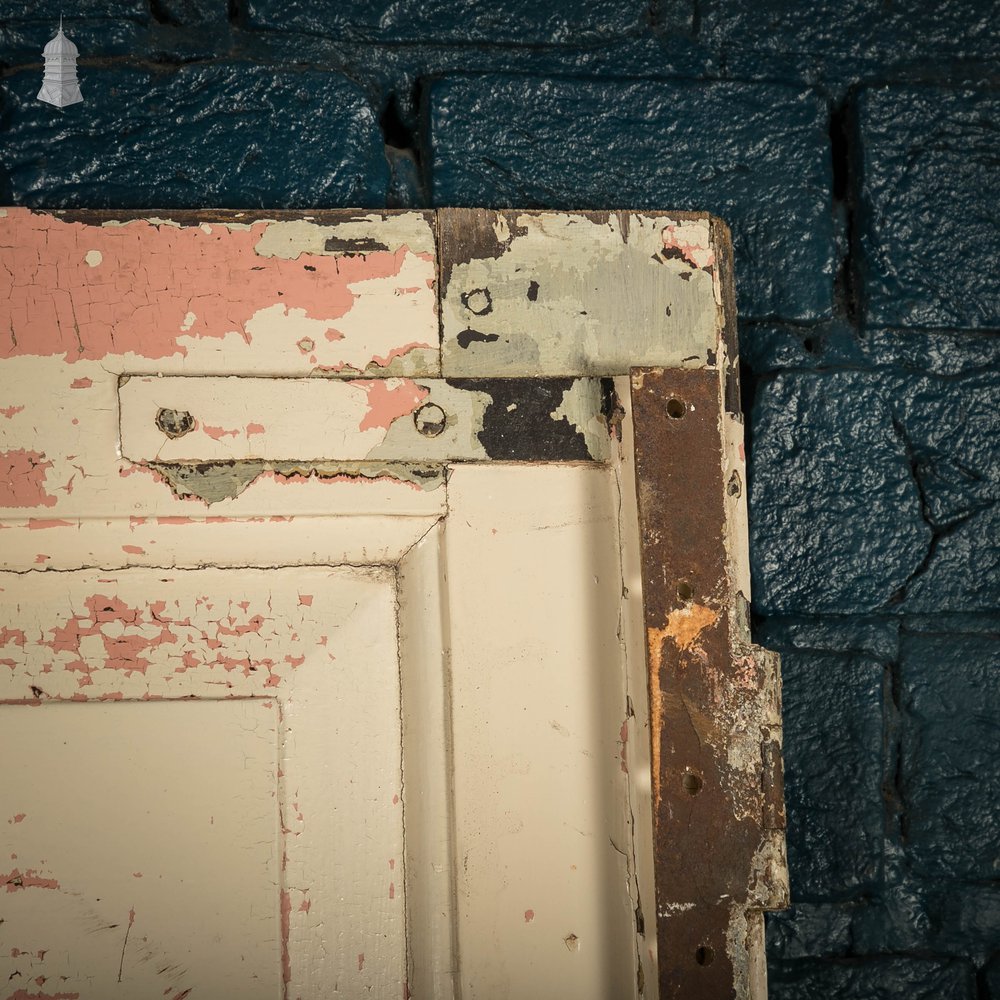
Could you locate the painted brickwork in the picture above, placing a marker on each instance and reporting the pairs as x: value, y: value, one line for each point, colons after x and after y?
x: 852, y: 146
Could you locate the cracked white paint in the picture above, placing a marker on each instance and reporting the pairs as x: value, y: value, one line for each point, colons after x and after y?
x: 301, y: 638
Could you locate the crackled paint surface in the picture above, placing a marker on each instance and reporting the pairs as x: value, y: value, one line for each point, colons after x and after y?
x: 539, y: 293
x: 92, y: 301
x: 298, y: 639
x: 233, y: 294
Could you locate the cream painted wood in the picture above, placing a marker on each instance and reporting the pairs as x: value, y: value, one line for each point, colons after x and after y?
x: 126, y: 877
x: 542, y: 828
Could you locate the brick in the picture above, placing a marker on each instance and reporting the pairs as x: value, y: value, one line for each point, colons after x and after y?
x: 766, y: 347
x: 833, y: 772
x: 810, y: 930
x: 914, y: 915
x: 871, y: 979
x: 756, y: 155
x: 26, y: 27
x: 952, y: 428
x: 217, y: 135
x: 991, y: 978
x: 847, y: 38
x: 931, y: 182
x: 184, y: 13
x: 836, y: 521
x: 517, y: 22
x: 951, y: 782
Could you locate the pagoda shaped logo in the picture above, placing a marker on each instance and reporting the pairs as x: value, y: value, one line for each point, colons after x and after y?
x: 59, y: 85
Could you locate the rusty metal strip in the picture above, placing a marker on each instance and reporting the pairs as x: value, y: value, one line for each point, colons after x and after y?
x: 713, y: 703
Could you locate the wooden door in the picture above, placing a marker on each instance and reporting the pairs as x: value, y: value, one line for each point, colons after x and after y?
x: 337, y: 656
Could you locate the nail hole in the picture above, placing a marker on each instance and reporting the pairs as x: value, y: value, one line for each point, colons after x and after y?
x: 735, y: 487
x: 692, y: 782
x: 685, y: 591
x: 479, y: 302
x: 704, y: 955
x: 430, y: 420
x: 676, y: 408
x: 174, y: 423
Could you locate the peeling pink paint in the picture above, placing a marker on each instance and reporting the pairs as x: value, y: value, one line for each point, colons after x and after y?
x: 124, y: 305
x: 298, y: 477
x: 398, y: 352
x: 25, y: 995
x: 22, y: 479
x: 286, y: 914
x: 18, y: 818
x: 134, y: 550
x: 361, y: 961
x: 392, y: 890
x: 40, y: 523
x: 9, y: 411
x: 218, y: 433
x: 305, y: 906
x: 11, y: 635
x: 255, y: 429
x: 28, y: 879
x: 387, y: 402
x: 81, y: 383
x: 529, y: 915
x: 678, y: 242
x: 623, y: 740
x: 306, y: 600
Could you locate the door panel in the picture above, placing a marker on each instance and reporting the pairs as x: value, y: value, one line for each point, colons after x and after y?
x: 142, y: 849
x: 325, y: 526
x: 318, y: 646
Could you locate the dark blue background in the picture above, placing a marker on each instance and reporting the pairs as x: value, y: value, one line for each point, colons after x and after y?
x: 854, y: 148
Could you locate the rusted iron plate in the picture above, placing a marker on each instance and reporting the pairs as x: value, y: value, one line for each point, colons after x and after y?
x: 713, y: 702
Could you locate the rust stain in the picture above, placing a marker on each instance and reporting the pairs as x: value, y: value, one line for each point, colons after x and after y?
x: 685, y: 624
x: 655, y: 638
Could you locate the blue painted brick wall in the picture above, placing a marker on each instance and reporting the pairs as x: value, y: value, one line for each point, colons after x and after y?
x: 854, y: 148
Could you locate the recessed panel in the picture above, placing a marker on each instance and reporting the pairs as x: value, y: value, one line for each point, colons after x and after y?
x: 141, y: 850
